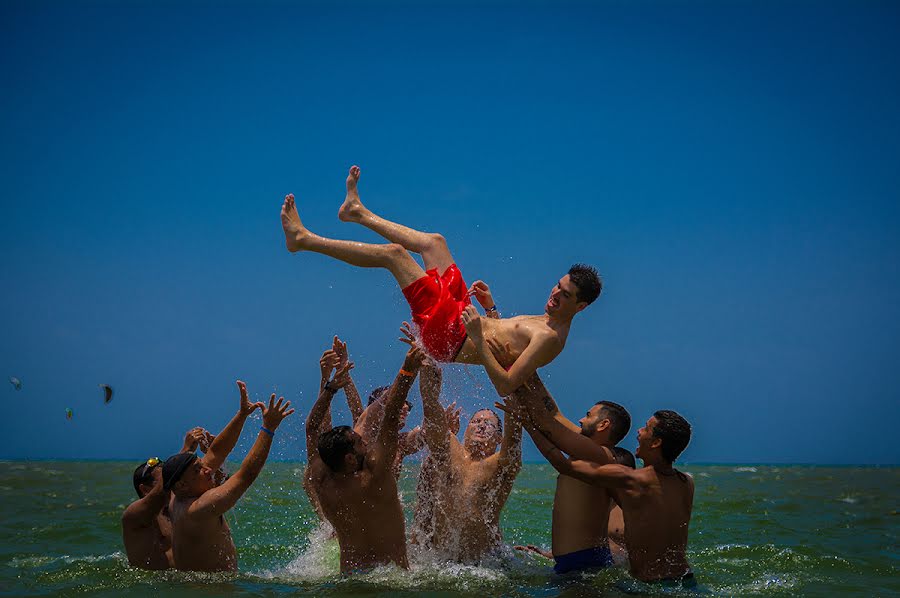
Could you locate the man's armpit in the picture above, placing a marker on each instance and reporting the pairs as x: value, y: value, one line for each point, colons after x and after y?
x: 549, y: 404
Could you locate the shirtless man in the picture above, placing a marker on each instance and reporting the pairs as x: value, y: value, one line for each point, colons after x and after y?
x: 580, y: 510
x: 355, y: 483
x: 202, y: 536
x: 450, y: 327
x: 470, y: 481
x: 656, y: 499
x: 146, y: 524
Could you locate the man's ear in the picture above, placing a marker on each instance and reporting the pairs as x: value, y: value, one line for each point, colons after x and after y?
x: 656, y: 443
x: 604, y: 424
x: 580, y: 306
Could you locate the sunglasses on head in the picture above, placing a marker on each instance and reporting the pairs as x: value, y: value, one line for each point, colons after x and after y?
x: 149, y: 465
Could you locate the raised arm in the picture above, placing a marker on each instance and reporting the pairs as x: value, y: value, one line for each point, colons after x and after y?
x: 539, y: 403
x: 534, y: 396
x: 540, y: 351
x: 611, y: 476
x: 321, y: 409
x: 434, y: 418
x: 142, y: 512
x: 354, y: 402
x: 220, y: 500
x: 224, y: 443
x: 510, y: 453
x: 386, y: 446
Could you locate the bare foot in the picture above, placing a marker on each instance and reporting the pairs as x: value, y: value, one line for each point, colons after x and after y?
x: 352, y: 208
x: 295, y: 234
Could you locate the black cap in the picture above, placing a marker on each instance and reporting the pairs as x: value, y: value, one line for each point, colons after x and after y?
x: 174, y: 467
x: 143, y: 474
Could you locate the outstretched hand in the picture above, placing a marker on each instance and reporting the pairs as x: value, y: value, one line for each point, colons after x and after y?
x: 482, y: 294
x: 340, y: 349
x: 341, y: 377
x: 246, y: 406
x: 512, y: 408
x: 276, y: 412
x: 329, y: 361
x: 452, y: 414
x: 409, y: 336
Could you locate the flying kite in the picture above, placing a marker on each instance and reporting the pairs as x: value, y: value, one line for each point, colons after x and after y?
x: 107, y: 392
x: 17, y: 384
x: 68, y: 413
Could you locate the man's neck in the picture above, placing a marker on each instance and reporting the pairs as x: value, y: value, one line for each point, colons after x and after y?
x: 479, y: 453
x: 558, y: 322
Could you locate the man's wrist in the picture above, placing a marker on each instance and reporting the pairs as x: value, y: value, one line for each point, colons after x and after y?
x: 269, y: 431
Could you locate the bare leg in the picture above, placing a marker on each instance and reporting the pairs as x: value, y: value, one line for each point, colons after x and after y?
x: 392, y: 257
x: 432, y: 246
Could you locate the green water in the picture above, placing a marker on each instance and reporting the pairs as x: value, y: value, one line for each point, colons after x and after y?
x: 764, y: 530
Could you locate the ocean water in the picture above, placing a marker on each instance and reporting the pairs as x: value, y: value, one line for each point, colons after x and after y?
x: 757, y: 530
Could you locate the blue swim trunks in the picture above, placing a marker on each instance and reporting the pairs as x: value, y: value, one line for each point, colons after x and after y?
x: 598, y: 557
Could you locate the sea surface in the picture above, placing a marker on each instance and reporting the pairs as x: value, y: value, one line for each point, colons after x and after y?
x: 756, y: 531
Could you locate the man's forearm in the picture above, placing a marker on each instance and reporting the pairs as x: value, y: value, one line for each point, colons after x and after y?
x: 255, y: 459
x: 225, y: 441
x: 500, y: 378
x: 320, y: 409
x: 354, y: 402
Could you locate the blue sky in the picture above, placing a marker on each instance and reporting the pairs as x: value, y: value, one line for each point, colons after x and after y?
x: 730, y: 168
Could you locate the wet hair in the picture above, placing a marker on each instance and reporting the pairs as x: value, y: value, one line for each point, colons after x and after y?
x: 587, y: 281
x: 334, y: 445
x: 674, y: 431
x: 377, y: 394
x: 142, y: 475
x: 619, y: 420
x: 624, y: 457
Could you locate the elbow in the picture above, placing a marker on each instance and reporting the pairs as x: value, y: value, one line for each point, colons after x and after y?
x: 504, y: 389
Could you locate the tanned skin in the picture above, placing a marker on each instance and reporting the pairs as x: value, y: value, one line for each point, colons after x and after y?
x: 469, y: 482
x: 360, y: 499
x: 202, y: 537
x: 146, y: 523
x: 534, y: 340
x: 580, y: 510
x: 656, y: 501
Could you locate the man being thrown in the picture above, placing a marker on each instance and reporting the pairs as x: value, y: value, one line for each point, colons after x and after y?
x: 466, y: 485
x: 450, y: 327
x: 656, y: 499
x: 355, y: 484
x: 146, y: 523
x: 580, y: 510
x: 202, y: 536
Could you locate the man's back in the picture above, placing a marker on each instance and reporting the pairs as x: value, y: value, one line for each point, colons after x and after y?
x: 203, y: 542
x: 365, y: 511
x: 149, y: 546
x: 657, y: 513
x: 580, y: 516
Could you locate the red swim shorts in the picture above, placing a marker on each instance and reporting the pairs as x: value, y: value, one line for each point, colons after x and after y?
x: 436, y: 303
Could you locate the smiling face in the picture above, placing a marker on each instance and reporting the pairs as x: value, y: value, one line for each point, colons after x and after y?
x: 483, y: 430
x: 563, y: 301
x: 647, y: 442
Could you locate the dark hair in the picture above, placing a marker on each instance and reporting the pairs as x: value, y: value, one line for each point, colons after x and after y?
x: 624, y: 457
x: 674, y: 431
x: 619, y: 420
x: 377, y: 394
x: 588, y: 282
x: 142, y: 475
x: 334, y: 445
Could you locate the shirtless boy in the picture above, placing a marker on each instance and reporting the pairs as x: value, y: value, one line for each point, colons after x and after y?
x: 468, y: 483
x: 355, y: 483
x: 202, y: 538
x: 580, y: 526
x: 656, y: 499
x: 146, y: 524
x: 450, y: 327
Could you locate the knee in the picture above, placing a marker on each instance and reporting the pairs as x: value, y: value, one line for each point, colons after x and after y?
x: 395, y: 251
x: 436, y: 241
